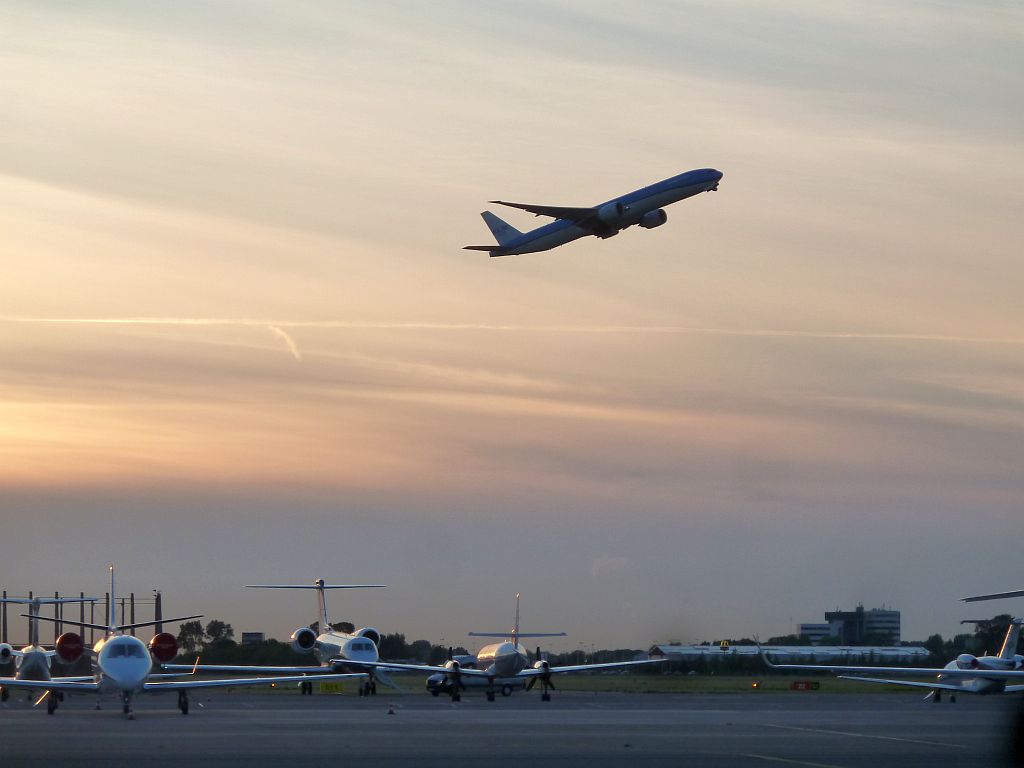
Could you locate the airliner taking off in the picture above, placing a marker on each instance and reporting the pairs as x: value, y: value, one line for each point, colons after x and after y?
x: 643, y: 207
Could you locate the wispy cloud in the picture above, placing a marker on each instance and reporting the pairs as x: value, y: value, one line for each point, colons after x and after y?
x: 277, y: 328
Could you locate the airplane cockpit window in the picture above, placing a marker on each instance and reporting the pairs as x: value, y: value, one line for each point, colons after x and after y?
x: 116, y: 651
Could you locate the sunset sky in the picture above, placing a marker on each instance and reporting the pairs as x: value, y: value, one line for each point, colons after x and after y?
x: 240, y: 342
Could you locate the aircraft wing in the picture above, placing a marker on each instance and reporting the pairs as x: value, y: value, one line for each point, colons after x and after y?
x: 994, y: 596
x: 232, y: 682
x: 533, y: 672
x: 578, y: 215
x: 88, y: 685
x: 256, y: 669
x: 1013, y: 689
x: 429, y: 668
x: 912, y: 684
x: 908, y: 671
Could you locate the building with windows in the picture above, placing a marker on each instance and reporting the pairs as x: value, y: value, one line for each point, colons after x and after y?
x: 856, y: 627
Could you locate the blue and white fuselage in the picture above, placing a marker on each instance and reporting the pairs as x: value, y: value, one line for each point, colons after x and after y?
x: 644, y: 207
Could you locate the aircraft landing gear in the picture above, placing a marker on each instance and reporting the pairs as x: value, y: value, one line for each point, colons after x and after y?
x: 183, y: 702
x: 306, y: 688
x: 545, y: 696
x: 506, y: 690
x: 952, y: 698
x: 937, y: 697
x: 4, y: 694
x: 51, y: 703
x: 126, y: 705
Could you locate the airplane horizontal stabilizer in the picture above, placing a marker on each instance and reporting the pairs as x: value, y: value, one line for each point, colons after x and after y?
x: 478, y: 247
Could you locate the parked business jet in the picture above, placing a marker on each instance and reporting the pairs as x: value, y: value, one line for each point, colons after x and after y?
x: 644, y: 207
x: 123, y: 665
x: 966, y: 674
x: 32, y: 662
x: 331, y: 648
x: 504, y: 665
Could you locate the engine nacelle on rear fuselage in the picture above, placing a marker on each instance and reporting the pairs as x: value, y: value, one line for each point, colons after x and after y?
x: 303, y: 640
x: 371, y: 634
x: 69, y: 647
x: 163, y: 647
x: 6, y: 653
x: 613, y: 214
x: 653, y: 219
x: 966, y: 661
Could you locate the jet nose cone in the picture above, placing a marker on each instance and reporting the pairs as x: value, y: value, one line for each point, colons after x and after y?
x: 716, y: 175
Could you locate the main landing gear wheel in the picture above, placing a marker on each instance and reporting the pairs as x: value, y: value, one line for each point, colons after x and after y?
x: 306, y: 688
x: 4, y: 694
x: 938, y: 696
x: 506, y: 690
x: 545, y: 696
x: 952, y: 698
x: 183, y: 702
x: 490, y: 695
x: 51, y: 703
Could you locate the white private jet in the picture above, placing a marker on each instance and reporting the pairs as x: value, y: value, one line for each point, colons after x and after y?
x: 504, y: 664
x: 331, y: 648
x: 32, y: 662
x: 123, y: 664
x: 967, y: 673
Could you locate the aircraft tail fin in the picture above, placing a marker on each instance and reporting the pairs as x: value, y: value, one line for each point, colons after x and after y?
x: 1009, y: 649
x: 503, y: 231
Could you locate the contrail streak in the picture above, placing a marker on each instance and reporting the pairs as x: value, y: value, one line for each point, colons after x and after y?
x: 277, y: 327
x: 288, y: 340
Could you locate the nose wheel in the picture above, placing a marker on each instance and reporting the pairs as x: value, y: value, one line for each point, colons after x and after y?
x: 126, y: 706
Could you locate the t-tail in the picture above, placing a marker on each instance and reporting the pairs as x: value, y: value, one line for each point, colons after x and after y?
x: 1009, y: 649
x: 33, y: 616
x: 321, y: 598
x: 503, y: 232
x: 516, y: 634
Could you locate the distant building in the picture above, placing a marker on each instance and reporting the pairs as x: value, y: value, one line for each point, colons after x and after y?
x: 857, y: 626
x: 251, y: 638
x: 815, y: 633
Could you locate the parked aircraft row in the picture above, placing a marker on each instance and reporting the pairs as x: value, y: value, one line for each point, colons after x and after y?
x: 124, y: 665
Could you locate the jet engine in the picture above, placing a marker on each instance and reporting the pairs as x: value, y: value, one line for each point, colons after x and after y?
x: 6, y: 653
x: 371, y: 634
x: 303, y: 640
x: 612, y: 214
x: 967, y: 661
x: 163, y: 647
x: 69, y: 647
x: 653, y: 219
